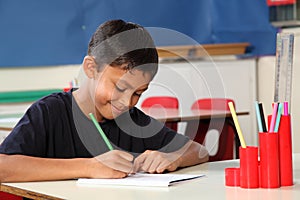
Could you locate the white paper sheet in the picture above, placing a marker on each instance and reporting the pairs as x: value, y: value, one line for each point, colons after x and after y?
x: 142, y: 179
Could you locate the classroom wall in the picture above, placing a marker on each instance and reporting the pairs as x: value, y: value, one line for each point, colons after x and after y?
x: 33, y: 78
x: 266, y: 83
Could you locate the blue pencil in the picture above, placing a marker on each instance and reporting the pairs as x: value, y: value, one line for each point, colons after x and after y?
x: 279, y: 113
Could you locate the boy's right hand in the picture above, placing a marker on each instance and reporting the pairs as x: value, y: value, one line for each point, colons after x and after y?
x: 112, y: 164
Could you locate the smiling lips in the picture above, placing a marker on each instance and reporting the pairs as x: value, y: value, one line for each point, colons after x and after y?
x: 117, y: 110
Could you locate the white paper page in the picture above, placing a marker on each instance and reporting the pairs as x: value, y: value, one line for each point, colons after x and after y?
x: 141, y: 179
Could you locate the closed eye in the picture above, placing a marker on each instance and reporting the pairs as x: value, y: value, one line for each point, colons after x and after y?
x: 120, y: 89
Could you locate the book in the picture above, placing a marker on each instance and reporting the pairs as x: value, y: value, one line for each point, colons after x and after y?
x: 142, y: 179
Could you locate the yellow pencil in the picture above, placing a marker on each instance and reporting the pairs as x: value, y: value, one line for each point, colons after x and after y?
x: 237, y: 126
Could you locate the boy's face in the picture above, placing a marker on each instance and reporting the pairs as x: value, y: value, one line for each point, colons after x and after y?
x: 117, y: 90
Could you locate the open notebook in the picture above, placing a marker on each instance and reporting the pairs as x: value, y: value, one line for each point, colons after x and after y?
x: 141, y: 179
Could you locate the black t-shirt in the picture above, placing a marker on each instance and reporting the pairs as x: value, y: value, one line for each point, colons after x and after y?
x: 55, y: 127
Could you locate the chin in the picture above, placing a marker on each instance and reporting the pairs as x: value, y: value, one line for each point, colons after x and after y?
x: 112, y: 116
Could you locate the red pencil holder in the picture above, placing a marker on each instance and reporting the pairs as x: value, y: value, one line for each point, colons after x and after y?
x: 249, y: 167
x: 269, y: 160
x: 285, y: 151
x: 232, y: 176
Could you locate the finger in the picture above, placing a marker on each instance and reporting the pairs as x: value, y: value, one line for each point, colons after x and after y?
x: 140, y: 159
x: 125, y: 167
x: 119, y: 166
x: 154, y: 165
x: 163, y: 166
x: 117, y: 174
x: 125, y: 155
x: 159, y: 160
x: 169, y: 167
x: 136, y: 167
x: 148, y: 151
x: 149, y: 159
x: 115, y: 161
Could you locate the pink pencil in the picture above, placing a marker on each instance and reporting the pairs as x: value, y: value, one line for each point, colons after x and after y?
x: 273, y: 119
x: 285, y: 108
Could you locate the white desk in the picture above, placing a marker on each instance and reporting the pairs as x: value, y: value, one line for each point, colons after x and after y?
x: 177, y: 115
x: 210, y: 187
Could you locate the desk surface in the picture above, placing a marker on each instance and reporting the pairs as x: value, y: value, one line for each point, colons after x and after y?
x: 210, y: 187
x: 176, y: 115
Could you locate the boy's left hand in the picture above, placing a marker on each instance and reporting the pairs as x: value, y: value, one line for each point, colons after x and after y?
x: 156, y: 162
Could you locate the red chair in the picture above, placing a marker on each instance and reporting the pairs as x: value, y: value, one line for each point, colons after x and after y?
x: 7, y: 196
x: 165, y: 102
x: 224, y: 128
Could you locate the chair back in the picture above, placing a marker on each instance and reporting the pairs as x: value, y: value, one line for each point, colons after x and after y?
x: 212, y: 104
x: 165, y: 102
x: 224, y: 129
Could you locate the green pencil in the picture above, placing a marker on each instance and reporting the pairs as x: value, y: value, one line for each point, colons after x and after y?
x: 110, y: 147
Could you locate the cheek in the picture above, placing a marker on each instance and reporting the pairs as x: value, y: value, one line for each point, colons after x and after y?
x: 99, y: 98
x: 134, y: 100
x: 102, y: 95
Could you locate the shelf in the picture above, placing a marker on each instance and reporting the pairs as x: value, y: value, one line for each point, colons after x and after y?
x: 283, y: 24
x: 195, y: 51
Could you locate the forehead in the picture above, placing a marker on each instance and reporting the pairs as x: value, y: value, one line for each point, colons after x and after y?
x: 134, y: 78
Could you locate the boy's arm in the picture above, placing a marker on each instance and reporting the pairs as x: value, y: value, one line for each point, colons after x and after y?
x: 191, y: 153
x: 20, y: 168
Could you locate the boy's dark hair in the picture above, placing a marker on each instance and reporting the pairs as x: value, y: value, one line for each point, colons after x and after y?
x: 117, y: 42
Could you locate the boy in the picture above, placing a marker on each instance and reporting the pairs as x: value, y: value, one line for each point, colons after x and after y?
x: 56, y: 139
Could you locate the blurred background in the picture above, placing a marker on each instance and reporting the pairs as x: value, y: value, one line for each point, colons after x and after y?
x: 42, y: 44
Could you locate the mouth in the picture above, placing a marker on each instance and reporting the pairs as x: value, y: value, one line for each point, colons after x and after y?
x: 117, y: 110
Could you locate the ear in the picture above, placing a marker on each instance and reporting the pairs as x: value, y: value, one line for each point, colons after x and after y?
x: 89, y: 66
